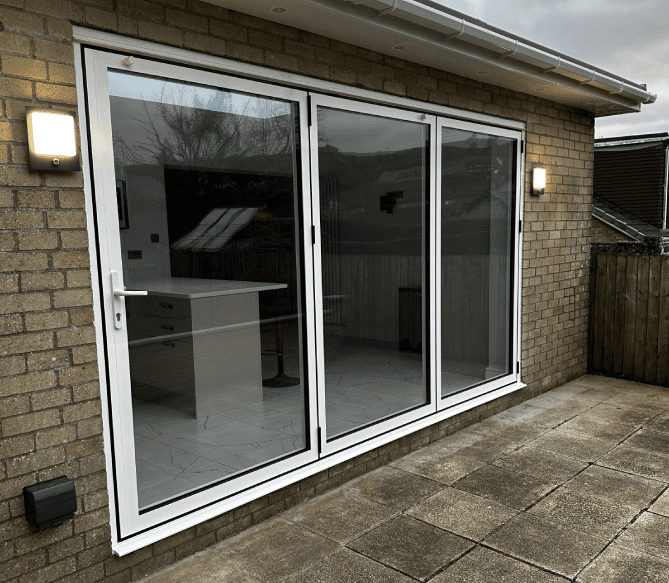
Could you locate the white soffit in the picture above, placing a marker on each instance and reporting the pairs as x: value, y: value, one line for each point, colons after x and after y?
x: 443, y: 40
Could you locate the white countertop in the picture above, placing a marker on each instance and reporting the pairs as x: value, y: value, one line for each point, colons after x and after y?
x: 185, y: 287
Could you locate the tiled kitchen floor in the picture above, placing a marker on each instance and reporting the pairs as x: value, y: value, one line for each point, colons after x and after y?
x: 570, y: 486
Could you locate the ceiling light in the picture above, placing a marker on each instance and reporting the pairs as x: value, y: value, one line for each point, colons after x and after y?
x: 279, y: 9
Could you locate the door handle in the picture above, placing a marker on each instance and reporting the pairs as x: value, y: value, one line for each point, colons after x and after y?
x: 125, y: 292
x: 118, y: 293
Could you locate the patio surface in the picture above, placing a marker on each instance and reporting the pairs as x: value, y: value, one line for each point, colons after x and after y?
x: 569, y: 486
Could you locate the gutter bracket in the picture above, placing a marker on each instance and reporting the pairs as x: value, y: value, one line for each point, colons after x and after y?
x: 389, y: 9
x: 510, y: 52
x: 587, y: 81
x: 459, y: 33
x: 557, y: 66
x: 622, y: 86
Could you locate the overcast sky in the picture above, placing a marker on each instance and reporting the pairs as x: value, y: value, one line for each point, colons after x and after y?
x: 627, y: 37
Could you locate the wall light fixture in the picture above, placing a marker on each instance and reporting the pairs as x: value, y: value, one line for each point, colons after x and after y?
x: 52, y: 140
x: 538, y: 181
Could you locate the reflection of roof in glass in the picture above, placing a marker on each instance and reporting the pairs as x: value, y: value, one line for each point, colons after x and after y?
x: 215, y: 230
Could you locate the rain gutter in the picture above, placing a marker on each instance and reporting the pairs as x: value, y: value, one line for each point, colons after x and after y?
x: 508, y: 51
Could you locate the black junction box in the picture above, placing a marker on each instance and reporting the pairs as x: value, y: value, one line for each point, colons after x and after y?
x: 49, y: 504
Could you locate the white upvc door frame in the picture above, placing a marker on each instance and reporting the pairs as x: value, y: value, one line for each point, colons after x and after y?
x: 131, y: 520
x: 513, y: 377
x: 338, y: 443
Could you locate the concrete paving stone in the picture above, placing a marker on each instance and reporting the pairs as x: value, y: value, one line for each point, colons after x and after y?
x: 600, y: 428
x: 438, y: 465
x: 411, y: 546
x: 463, y: 513
x: 650, y: 404
x: 618, y: 414
x: 550, y: 546
x: 617, y: 486
x: 620, y: 565
x: 273, y: 551
x: 637, y: 461
x: 540, y: 416
x: 339, y: 515
x: 653, y: 441
x: 505, y: 486
x: 659, y: 423
x: 649, y: 534
x: 489, y: 448
x: 574, y: 445
x: 598, y: 393
x: 486, y: 566
x: 203, y: 567
x: 661, y: 505
x: 346, y: 566
x: 585, y: 513
x: 542, y: 464
x: 394, y: 488
x: 517, y: 434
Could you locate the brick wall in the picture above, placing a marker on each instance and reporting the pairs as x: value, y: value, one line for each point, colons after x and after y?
x: 50, y: 419
x: 600, y: 232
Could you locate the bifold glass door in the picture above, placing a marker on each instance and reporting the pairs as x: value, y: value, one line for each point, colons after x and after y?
x: 477, y: 248
x: 371, y: 176
x: 202, y: 205
x: 285, y: 275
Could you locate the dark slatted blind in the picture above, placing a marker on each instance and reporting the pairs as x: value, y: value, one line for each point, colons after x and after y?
x: 632, y: 180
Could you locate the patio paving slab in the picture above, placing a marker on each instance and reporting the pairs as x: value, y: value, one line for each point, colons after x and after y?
x: 505, y: 486
x: 616, y: 486
x: 659, y: 423
x: 661, y: 505
x: 346, y: 566
x: 546, y: 465
x: 637, y: 461
x: 598, y: 427
x: 549, y: 546
x: 462, y: 513
x: 271, y: 552
x: 486, y: 566
x: 411, y: 546
x: 340, y: 515
x: 585, y: 513
x: 394, y: 488
x: 649, y: 534
x: 653, y: 441
x: 620, y: 565
x: 574, y: 445
x: 433, y: 463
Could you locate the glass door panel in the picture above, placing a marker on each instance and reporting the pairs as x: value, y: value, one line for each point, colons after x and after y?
x: 478, y: 187
x: 208, y: 191
x: 373, y: 191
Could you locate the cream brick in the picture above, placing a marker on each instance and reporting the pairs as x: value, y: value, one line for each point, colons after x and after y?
x: 11, y: 219
x: 37, y: 240
x: 57, y: 436
x: 104, y: 19
x: 7, y: 242
x: 55, y: 93
x: 42, y: 281
x: 63, y: 74
x: 12, y: 366
x: 75, y: 336
x: 71, y: 199
x: 70, y: 259
x: 22, y: 67
x: 23, y: 261
x: 74, y: 239
x: 205, y: 44
x: 47, y: 360
x: 72, y: 219
x: 9, y: 282
x: 160, y: 33
x: 74, y: 297
x: 46, y: 320
x: 51, y: 398
x: 79, y: 278
x: 82, y: 410
x: 78, y: 374
x: 57, y: 52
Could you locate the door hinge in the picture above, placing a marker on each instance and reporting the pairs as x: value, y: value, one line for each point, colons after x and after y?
x: 518, y: 367
x: 522, y: 146
x: 313, y: 235
x: 320, y: 440
x: 309, y: 110
x: 520, y: 226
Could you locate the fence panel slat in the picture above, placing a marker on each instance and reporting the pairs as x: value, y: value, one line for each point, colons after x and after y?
x: 653, y: 319
x: 630, y: 315
x: 609, y: 313
x: 618, y: 346
x: 642, y: 318
x: 663, y: 326
x: 600, y: 315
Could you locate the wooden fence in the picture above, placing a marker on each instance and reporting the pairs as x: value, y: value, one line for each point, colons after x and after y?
x: 629, y: 317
